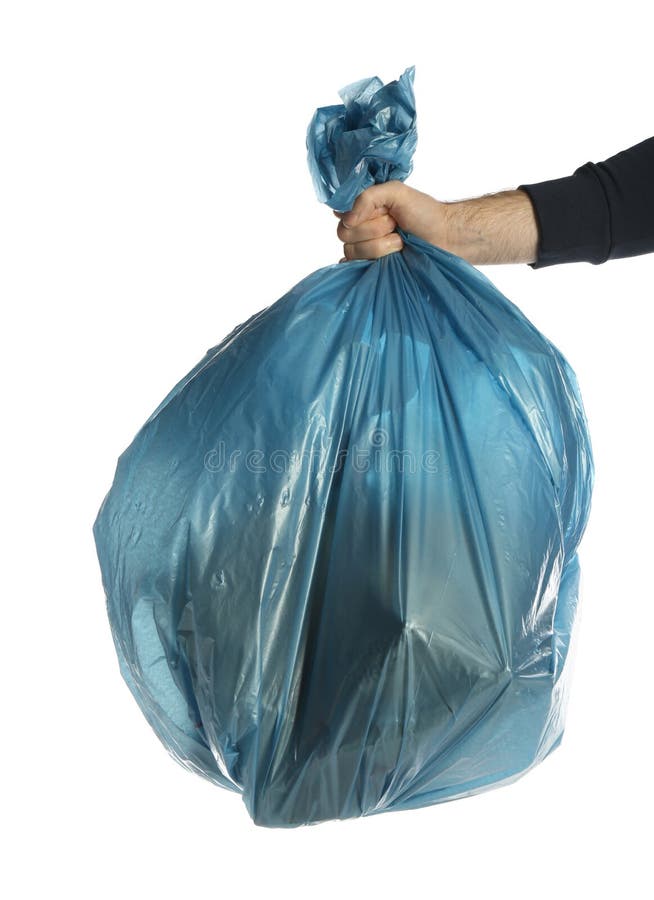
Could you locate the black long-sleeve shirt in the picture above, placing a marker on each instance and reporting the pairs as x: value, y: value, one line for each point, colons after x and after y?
x: 602, y: 211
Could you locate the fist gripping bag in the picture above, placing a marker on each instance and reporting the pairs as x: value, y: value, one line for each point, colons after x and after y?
x: 340, y: 558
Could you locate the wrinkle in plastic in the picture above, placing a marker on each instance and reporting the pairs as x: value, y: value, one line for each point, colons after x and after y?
x: 340, y: 557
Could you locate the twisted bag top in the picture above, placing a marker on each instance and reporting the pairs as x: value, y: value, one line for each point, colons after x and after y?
x: 340, y: 557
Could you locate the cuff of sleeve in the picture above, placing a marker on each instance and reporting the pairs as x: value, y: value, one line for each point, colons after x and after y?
x: 572, y: 215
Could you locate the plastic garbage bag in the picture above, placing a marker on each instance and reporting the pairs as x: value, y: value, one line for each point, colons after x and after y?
x: 340, y: 557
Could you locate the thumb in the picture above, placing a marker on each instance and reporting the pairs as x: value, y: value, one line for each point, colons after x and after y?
x: 374, y: 201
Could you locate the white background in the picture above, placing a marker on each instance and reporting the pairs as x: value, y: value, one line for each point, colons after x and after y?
x: 155, y: 194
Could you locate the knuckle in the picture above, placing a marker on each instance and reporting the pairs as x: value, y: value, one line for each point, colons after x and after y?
x: 342, y: 231
x: 384, y: 225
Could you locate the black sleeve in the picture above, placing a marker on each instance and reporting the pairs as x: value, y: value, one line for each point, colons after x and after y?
x: 602, y: 211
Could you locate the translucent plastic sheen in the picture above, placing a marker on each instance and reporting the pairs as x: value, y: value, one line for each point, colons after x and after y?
x: 340, y: 557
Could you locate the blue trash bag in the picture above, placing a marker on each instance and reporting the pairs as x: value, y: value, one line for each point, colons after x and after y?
x: 340, y: 557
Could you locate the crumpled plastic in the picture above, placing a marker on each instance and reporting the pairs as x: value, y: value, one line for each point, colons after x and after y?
x: 340, y: 557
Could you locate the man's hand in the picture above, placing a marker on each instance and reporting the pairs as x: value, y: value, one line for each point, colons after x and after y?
x: 368, y: 229
x: 495, y: 228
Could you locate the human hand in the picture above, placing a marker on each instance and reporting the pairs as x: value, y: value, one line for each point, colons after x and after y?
x: 368, y: 229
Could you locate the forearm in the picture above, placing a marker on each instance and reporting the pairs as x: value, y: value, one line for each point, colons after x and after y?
x: 495, y: 228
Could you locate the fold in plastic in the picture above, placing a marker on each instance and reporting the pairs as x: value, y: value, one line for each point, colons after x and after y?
x: 340, y: 557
